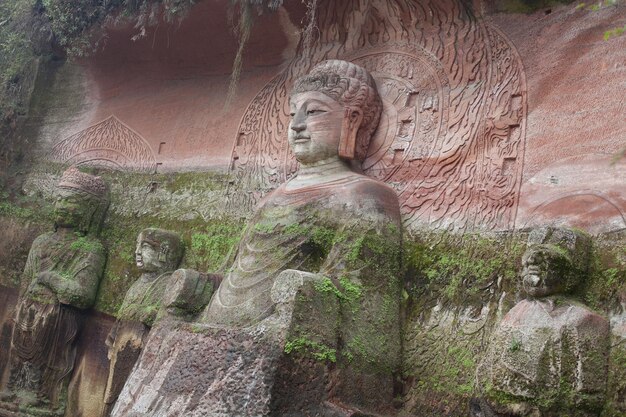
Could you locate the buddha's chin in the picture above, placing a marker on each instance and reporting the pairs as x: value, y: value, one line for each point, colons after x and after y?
x: 303, y: 155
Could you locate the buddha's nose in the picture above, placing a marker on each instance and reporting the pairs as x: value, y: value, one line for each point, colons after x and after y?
x: 297, y: 127
x: 297, y: 123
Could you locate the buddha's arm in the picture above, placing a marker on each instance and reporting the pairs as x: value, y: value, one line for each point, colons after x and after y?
x: 189, y: 291
x: 364, y: 265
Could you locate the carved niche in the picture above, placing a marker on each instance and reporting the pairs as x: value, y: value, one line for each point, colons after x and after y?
x: 451, y: 138
x: 108, y: 144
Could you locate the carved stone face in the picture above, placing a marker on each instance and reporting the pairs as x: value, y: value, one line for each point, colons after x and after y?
x: 70, y: 208
x: 545, y: 271
x: 147, y: 257
x: 315, y: 127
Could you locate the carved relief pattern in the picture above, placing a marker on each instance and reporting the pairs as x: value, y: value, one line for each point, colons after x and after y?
x: 452, y: 134
x: 414, y: 104
x: 109, y: 143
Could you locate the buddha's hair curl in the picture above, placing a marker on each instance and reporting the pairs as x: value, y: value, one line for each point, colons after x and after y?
x: 351, y: 86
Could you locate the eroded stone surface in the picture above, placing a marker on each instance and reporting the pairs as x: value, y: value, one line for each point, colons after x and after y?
x: 469, y: 118
x: 549, y: 354
x: 63, y: 271
x: 158, y: 252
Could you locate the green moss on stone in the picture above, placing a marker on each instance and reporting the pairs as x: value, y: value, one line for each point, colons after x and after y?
x: 456, y: 269
x: 311, y: 348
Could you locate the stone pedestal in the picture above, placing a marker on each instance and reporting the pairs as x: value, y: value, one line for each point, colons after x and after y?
x: 283, y: 365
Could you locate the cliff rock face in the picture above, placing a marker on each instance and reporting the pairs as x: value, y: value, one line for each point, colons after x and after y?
x: 493, y: 122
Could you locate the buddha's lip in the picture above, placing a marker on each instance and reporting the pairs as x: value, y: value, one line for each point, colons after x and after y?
x: 298, y: 139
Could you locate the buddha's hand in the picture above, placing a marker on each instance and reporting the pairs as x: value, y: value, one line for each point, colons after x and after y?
x: 189, y: 291
x: 289, y: 281
x: 301, y: 298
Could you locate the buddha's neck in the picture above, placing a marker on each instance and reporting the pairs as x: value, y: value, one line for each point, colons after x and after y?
x: 320, y: 172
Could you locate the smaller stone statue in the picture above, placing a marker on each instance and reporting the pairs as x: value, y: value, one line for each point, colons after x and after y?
x: 63, y: 271
x: 549, y: 355
x: 158, y: 253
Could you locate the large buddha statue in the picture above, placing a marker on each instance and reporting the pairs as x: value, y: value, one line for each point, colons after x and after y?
x: 329, y: 219
x: 329, y: 227
x: 549, y: 355
x: 157, y: 255
x: 63, y: 271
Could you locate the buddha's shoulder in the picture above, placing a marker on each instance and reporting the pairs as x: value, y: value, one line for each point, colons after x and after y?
x: 368, y: 195
x: 363, y: 185
x: 45, y: 237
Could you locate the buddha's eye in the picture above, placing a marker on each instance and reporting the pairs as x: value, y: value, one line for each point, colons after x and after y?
x: 292, y: 114
x: 314, y: 111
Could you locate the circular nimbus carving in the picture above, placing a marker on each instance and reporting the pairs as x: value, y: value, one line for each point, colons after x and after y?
x: 413, y: 116
x: 451, y: 137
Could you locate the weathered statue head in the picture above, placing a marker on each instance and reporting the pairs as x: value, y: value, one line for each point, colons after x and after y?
x: 81, y: 202
x: 335, y: 110
x: 158, y: 250
x: 555, y: 262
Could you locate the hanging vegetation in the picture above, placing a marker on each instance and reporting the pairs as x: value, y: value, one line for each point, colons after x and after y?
x: 245, y: 10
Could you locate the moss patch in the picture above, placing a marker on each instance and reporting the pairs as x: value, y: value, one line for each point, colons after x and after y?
x: 311, y: 348
x: 207, y: 244
x: 455, y: 270
x: 448, y: 281
x: 605, y: 286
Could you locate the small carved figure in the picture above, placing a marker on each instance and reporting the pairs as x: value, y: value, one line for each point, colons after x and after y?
x: 157, y: 254
x: 63, y: 271
x: 549, y: 355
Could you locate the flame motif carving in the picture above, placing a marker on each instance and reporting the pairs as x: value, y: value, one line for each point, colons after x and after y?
x: 452, y: 137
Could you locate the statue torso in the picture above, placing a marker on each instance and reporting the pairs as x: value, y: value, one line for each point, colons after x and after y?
x: 295, y: 229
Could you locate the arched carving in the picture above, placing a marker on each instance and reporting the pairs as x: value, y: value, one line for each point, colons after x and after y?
x: 110, y: 144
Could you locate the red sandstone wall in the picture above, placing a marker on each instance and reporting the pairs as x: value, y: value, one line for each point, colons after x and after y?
x: 576, y: 120
x: 167, y: 90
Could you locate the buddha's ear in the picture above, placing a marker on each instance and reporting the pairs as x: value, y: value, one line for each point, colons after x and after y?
x: 352, y: 119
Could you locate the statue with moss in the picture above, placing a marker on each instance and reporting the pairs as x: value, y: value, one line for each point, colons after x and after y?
x: 62, y: 275
x: 157, y: 255
x: 549, y: 355
x: 316, y: 274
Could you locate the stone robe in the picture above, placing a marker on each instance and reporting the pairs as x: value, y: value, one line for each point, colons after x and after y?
x: 319, y: 229
x: 549, y: 352
x: 136, y: 316
x: 63, y: 272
